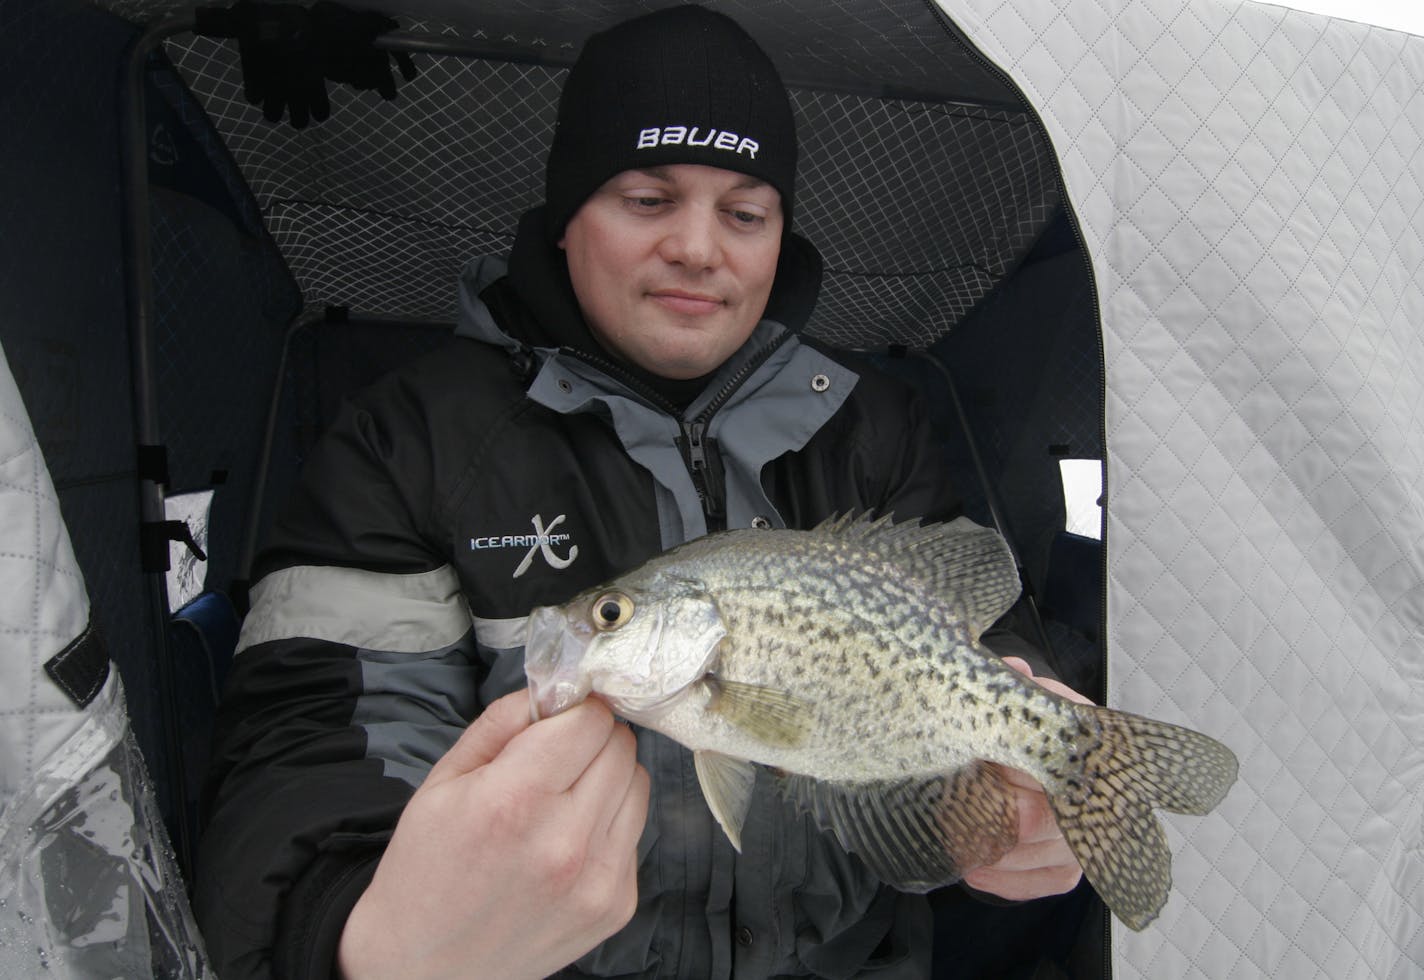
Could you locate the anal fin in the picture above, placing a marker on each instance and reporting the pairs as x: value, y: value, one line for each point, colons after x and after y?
x: 919, y: 834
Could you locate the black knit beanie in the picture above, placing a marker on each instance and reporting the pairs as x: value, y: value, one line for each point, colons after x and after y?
x: 682, y: 85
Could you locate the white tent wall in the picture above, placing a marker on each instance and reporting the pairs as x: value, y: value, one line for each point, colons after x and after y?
x: 1247, y: 180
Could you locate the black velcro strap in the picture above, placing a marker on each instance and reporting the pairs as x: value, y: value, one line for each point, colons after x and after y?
x: 81, y: 668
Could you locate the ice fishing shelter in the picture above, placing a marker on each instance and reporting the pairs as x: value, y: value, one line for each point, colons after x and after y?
x: 1181, y: 239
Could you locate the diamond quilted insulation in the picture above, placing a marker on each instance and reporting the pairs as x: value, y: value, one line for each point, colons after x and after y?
x: 1248, y: 183
x: 88, y: 883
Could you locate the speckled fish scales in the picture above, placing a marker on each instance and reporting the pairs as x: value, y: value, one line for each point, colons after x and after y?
x: 847, y: 660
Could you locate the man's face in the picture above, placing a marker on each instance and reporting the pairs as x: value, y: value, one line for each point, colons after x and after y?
x: 672, y: 266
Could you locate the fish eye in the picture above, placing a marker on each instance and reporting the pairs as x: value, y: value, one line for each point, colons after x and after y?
x: 611, y: 610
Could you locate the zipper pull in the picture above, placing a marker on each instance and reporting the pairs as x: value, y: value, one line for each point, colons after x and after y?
x: 706, y: 474
x: 696, y: 433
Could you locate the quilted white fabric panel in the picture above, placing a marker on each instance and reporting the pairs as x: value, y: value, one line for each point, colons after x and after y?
x: 43, y: 603
x: 1248, y: 181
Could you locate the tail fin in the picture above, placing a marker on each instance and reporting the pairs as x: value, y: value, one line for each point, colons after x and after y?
x: 1105, y: 811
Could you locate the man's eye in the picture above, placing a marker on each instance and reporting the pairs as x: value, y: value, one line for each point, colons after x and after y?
x: 746, y: 217
x: 640, y: 203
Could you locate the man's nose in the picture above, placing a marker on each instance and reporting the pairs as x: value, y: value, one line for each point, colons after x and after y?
x: 693, y: 239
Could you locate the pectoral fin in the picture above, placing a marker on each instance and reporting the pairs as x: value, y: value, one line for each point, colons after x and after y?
x: 917, y: 834
x: 772, y: 717
x: 727, y: 785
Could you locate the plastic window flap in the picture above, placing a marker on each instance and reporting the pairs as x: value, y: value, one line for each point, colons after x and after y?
x: 88, y: 883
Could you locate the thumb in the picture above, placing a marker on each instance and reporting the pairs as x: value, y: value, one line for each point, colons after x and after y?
x: 484, y: 739
x: 1047, y: 683
x: 1019, y: 664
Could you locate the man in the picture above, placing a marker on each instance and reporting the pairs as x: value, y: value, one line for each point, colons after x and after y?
x: 630, y: 380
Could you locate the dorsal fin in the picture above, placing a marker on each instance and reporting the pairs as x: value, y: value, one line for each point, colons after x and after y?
x: 960, y: 561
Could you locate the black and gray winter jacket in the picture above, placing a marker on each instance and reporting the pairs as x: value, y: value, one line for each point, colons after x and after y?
x: 504, y: 472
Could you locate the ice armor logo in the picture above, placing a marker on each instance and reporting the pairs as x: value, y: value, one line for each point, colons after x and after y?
x: 541, y: 542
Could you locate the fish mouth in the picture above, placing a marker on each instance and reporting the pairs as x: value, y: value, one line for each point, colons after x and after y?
x: 552, y: 657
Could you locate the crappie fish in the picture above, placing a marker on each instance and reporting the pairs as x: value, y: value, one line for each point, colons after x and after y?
x: 847, y: 659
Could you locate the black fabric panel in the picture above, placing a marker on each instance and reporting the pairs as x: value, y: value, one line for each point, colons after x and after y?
x: 1028, y: 369
x: 222, y: 302
x: 62, y: 295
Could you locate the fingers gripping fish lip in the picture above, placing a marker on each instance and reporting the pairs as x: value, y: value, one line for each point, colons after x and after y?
x: 640, y: 658
x: 547, y: 701
x: 552, y: 655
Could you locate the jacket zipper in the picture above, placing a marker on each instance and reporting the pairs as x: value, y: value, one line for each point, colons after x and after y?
x: 711, y: 488
x: 697, y: 453
x: 694, y: 436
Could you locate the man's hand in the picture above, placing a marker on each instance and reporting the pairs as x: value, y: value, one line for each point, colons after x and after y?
x: 517, y: 854
x: 1040, y: 864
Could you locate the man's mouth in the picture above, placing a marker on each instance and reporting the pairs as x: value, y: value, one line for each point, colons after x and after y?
x: 686, y: 302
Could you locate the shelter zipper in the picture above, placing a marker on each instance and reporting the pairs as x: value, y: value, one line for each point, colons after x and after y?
x: 1036, y: 121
